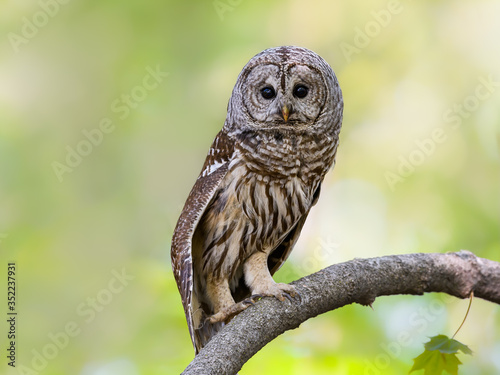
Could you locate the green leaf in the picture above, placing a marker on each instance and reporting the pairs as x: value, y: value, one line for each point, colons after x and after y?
x: 434, y: 363
x: 446, y: 345
x: 440, y: 355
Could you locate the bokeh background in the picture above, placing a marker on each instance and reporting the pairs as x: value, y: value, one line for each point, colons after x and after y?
x: 89, y: 225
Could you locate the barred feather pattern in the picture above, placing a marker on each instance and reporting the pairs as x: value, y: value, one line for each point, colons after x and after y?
x: 269, y: 186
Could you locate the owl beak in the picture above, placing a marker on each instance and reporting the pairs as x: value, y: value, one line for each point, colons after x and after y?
x: 285, y: 111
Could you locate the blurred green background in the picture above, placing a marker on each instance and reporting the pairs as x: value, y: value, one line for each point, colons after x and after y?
x: 89, y: 225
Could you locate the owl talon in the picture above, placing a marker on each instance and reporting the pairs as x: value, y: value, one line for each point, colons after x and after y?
x: 288, y: 297
x: 250, y: 301
x: 205, y: 321
x: 255, y: 297
x: 299, y: 296
x: 295, y: 294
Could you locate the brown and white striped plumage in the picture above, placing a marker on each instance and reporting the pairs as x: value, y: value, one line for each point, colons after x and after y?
x: 261, y: 177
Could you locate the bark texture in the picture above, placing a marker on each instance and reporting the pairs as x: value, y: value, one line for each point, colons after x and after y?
x: 357, y: 281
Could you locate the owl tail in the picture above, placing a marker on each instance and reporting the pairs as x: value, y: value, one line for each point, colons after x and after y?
x: 205, y: 332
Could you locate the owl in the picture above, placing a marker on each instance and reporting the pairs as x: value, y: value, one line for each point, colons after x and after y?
x: 259, y: 181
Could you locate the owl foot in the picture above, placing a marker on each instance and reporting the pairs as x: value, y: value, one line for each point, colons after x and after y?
x: 279, y: 291
x: 226, y: 314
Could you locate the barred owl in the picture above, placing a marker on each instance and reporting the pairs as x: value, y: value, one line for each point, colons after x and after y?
x: 260, y: 179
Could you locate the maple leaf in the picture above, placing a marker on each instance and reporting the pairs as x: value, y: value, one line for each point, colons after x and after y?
x: 440, y: 355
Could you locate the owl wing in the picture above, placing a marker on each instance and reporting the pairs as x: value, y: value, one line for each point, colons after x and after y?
x: 283, y: 250
x: 213, y: 171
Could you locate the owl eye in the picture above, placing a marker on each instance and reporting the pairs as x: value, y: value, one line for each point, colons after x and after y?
x: 268, y: 93
x: 300, y: 91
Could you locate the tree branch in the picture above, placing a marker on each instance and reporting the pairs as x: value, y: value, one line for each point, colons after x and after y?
x: 357, y: 281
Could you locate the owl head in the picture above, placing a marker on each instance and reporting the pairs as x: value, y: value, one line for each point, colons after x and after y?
x: 285, y: 88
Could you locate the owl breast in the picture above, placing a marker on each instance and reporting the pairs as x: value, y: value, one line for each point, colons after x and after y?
x: 269, y: 186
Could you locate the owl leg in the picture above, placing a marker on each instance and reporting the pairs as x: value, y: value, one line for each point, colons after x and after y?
x: 222, y: 301
x: 260, y: 281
